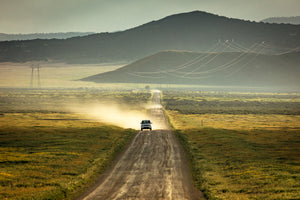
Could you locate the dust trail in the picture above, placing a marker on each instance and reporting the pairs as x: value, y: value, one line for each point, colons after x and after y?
x: 112, y: 113
x: 152, y: 167
x: 122, y: 115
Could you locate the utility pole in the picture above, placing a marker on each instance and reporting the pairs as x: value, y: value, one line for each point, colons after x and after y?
x: 31, y: 81
x: 35, y: 74
x: 39, y: 80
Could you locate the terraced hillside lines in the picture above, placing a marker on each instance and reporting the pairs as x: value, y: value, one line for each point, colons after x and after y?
x: 153, y: 167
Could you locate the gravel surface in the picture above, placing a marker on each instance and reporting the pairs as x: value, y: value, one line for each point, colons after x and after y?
x: 152, y: 167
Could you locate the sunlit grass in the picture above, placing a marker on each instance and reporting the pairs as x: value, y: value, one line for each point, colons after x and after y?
x: 241, y: 156
x: 235, y: 122
x: 48, y: 152
x: 41, y: 157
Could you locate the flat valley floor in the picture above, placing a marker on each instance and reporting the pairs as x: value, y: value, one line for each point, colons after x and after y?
x: 152, y: 167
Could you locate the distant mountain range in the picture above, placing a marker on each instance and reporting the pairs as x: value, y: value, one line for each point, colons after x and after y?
x: 219, y: 69
x: 32, y: 36
x: 194, y: 31
x: 283, y: 20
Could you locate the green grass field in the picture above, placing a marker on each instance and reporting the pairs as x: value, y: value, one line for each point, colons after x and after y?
x: 48, y: 152
x: 237, y: 151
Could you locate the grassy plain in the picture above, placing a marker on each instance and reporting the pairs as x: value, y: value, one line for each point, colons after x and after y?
x: 48, y: 152
x: 238, y: 145
x: 51, y: 74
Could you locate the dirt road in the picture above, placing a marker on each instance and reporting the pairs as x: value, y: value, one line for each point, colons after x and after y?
x: 152, y: 167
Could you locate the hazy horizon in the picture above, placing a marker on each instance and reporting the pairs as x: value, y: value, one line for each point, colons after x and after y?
x: 48, y: 16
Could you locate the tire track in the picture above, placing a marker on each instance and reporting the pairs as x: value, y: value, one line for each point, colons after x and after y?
x: 152, y: 167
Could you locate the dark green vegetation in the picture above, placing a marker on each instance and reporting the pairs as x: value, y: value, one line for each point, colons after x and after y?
x: 240, y: 161
x: 232, y: 103
x: 194, y: 31
x: 47, y: 152
x: 219, y: 69
x: 58, y: 100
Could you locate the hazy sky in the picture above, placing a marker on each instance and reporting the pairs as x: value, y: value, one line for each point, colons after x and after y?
x: 31, y: 16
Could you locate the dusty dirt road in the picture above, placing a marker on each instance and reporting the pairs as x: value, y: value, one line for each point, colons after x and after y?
x: 152, y: 167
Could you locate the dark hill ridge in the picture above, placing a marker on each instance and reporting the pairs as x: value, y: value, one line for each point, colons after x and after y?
x: 284, y: 20
x: 194, y: 31
x: 32, y: 36
x: 219, y: 69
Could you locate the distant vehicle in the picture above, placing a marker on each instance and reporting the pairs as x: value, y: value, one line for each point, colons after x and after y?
x: 146, y: 124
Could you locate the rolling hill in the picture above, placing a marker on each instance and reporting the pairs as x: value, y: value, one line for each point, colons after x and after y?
x: 283, y: 20
x: 218, y: 69
x: 32, y: 36
x: 193, y: 31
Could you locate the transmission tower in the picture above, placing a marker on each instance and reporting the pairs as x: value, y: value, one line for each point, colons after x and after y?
x: 35, y: 75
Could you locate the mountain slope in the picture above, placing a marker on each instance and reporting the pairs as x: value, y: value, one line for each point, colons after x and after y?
x: 194, y: 31
x: 284, y: 20
x: 9, y: 37
x: 221, y: 69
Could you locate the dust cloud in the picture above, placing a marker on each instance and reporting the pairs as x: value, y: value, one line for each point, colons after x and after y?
x: 123, y: 115
x: 112, y: 114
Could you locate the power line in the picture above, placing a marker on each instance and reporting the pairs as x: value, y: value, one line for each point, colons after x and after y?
x: 244, y: 54
x: 244, y: 65
x: 223, y: 66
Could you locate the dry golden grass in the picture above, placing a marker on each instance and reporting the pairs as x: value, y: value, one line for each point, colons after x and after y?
x: 241, y: 156
x: 49, y: 156
x: 235, y: 122
x: 48, y: 151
